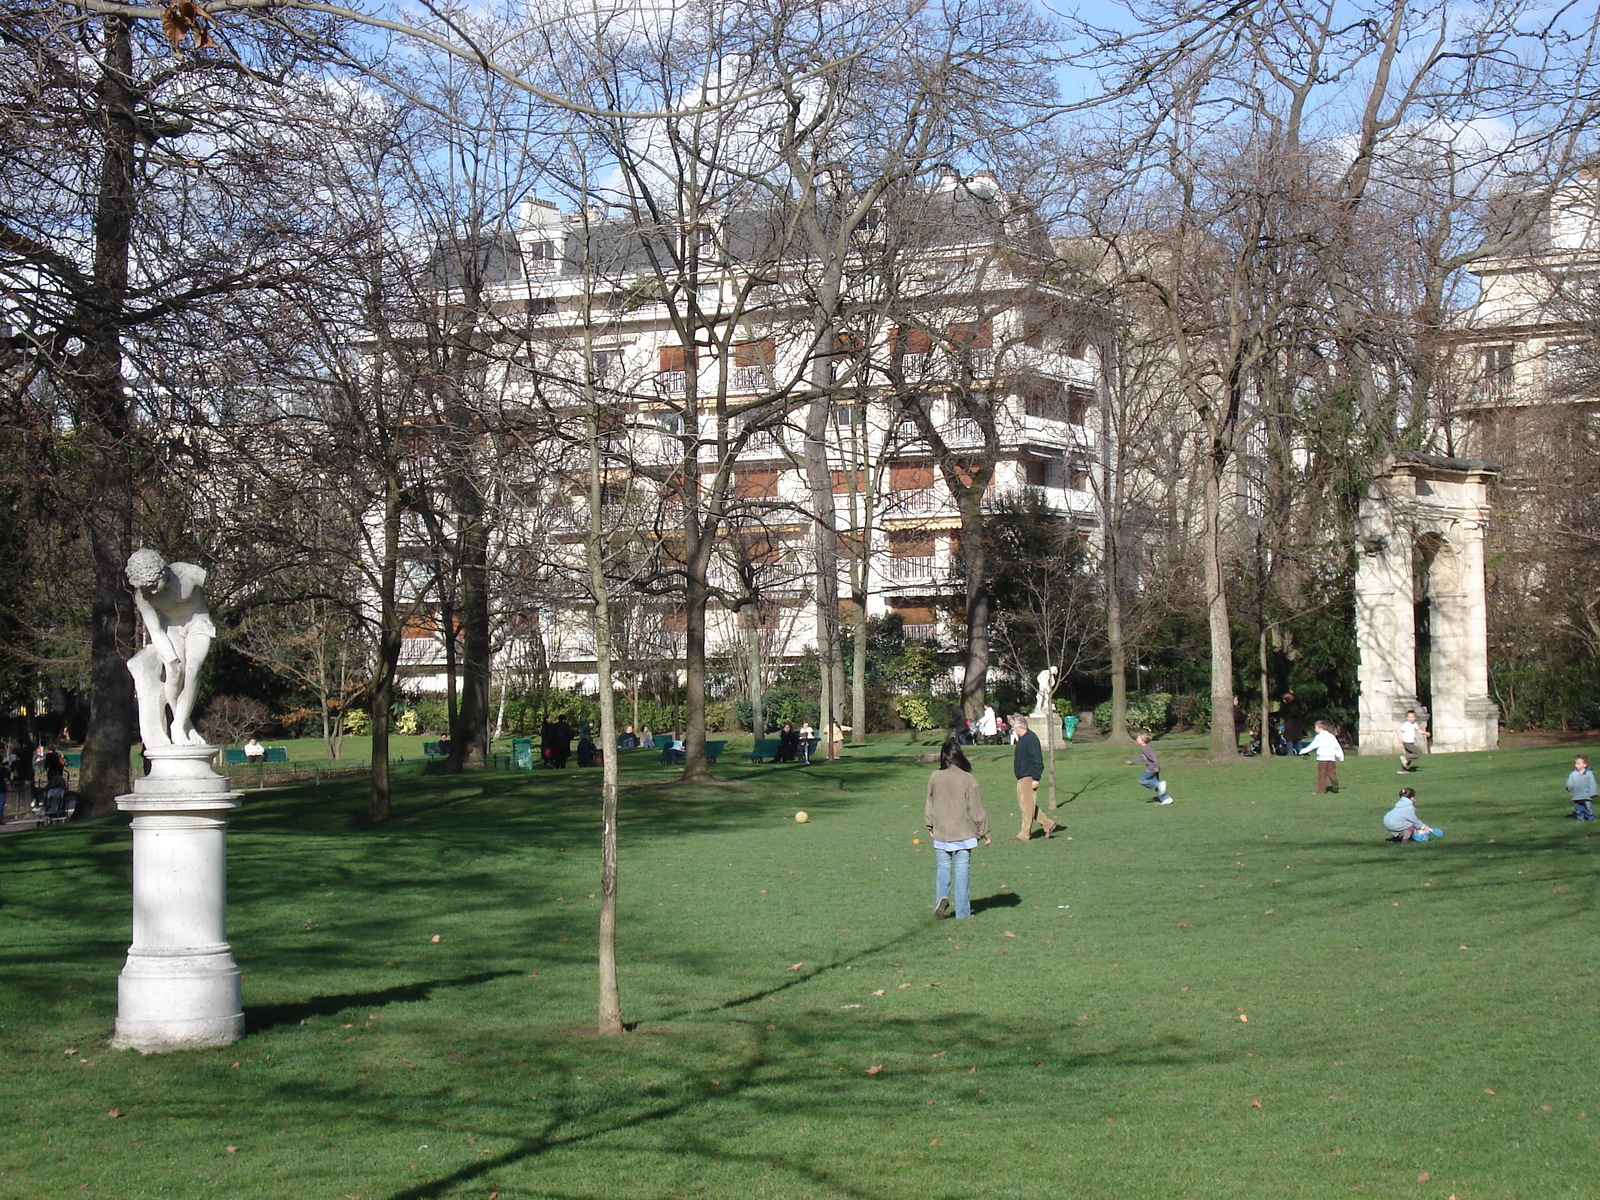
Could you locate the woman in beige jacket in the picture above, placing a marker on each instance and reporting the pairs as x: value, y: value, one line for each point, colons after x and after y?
x: 956, y: 819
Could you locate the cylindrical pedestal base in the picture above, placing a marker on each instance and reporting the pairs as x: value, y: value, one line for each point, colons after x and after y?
x: 180, y: 987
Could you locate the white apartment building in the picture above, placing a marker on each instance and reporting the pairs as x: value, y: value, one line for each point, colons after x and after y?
x: 1529, y: 341
x: 968, y: 321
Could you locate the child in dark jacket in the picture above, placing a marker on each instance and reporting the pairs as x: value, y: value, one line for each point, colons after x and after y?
x: 1150, y: 774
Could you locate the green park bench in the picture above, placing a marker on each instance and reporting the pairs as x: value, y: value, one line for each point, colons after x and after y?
x: 662, y: 740
x: 765, y: 748
x: 74, y: 760
x: 238, y: 758
x: 713, y: 750
x: 435, y: 750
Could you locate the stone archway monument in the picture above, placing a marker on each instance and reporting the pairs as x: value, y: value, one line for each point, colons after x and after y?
x: 1421, y: 530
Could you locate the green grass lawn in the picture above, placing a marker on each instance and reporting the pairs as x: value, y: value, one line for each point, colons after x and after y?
x: 1246, y: 993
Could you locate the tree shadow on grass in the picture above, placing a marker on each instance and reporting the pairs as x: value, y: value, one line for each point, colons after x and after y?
x: 783, y: 1074
x: 270, y: 1016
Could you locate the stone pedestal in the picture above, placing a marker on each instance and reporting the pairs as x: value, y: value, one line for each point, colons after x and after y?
x: 180, y: 987
x: 1048, y: 727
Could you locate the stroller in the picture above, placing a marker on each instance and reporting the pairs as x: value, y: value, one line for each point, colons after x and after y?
x: 55, y: 807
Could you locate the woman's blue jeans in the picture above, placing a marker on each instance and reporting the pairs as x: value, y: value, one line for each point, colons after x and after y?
x: 958, y: 863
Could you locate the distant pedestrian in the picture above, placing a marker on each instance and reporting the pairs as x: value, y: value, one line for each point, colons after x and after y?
x: 956, y: 819
x: 561, y: 742
x: 788, y: 743
x: 1410, y: 735
x: 1293, y: 721
x: 988, y: 725
x: 1027, y: 762
x: 1150, y: 775
x: 1329, y: 755
x: 1581, y: 786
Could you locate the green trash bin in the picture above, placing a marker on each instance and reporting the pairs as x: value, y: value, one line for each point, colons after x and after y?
x: 1069, y: 726
x: 522, y: 753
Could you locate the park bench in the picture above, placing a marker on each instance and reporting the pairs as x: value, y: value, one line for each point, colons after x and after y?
x: 713, y: 751
x: 662, y: 740
x: 238, y: 758
x: 435, y: 750
x: 765, y: 748
x: 74, y: 760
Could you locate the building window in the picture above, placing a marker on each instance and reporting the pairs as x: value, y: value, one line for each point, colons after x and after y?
x: 1079, y: 401
x: 756, y: 485
x: 849, y: 416
x: 1043, y: 401
x: 1496, y: 372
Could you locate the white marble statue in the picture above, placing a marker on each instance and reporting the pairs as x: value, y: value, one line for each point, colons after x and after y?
x: 166, y: 673
x: 1046, y: 682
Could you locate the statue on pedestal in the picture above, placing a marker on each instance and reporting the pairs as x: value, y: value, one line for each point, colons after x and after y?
x: 1046, y: 684
x: 166, y: 673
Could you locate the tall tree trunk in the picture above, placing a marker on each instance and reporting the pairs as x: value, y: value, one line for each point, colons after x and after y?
x: 452, y: 665
x: 105, y: 773
x: 696, y: 596
x: 380, y: 806
x: 1223, y: 743
x: 858, y: 668
x: 469, y: 747
x: 975, y: 663
x: 752, y: 640
x: 820, y: 478
x: 609, y: 1019
x: 1119, y: 655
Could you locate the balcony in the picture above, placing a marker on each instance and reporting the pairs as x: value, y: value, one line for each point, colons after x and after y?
x: 749, y: 379
x: 920, y: 633
x: 912, y: 568
x: 913, y: 503
x: 672, y: 383
x: 940, y: 364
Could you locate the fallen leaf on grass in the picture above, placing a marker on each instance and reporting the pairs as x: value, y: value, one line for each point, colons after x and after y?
x: 1008, y: 933
x: 115, y: 1112
x: 1424, y: 1177
x: 70, y: 1051
x: 875, y: 1070
x: 1488, y: 1091
x: 879, y: 992
x: 1255, y: 1104
x: 1244, y: 1017
x: 797, y: 966
x: 903, y: 987
x: 231, y: 1149
x: 934, y: 1142
x: 436, y: 938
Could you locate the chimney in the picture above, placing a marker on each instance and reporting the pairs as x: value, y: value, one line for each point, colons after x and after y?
x: 540, y: 214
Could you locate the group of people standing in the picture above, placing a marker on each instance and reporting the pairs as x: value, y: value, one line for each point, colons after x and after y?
x: 26, y: 767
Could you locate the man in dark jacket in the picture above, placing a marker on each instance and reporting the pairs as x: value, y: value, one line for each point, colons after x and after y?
x: 561, y: 742
x: 1027, y: 761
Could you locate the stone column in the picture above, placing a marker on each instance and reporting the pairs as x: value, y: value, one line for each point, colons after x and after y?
x: 180, y: 987
x: 1386, y: 636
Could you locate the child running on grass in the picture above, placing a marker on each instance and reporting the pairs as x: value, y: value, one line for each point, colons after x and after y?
x: 1329, y: 755
x: 1150, y: 776
x: 1581, y: 786
x: 1402, y: 821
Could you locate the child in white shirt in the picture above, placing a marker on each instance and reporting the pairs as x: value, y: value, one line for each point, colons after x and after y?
x: 1410, y: 739
x: 1329, y: 755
